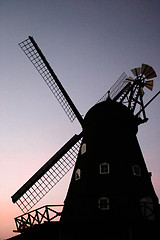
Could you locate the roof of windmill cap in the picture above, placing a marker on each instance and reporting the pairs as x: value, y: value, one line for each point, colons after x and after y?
x: 112, y: 113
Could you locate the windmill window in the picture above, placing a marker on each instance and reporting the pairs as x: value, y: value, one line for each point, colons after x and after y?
x: 103, y: 203
x: 147, y: 208
x: 83, y: 148
x: 77, y: 174
x: 104, y: 168
x: 136, y: 170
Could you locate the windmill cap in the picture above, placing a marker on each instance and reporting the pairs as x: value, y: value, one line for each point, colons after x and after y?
x: 112, y: 115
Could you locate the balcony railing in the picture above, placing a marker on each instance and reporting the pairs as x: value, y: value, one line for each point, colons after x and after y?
x: 39, y: 216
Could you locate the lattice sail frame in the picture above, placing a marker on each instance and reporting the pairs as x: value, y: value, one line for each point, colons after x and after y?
x: 49, y: 179
x: 116, y: 89
x: 32, y: 51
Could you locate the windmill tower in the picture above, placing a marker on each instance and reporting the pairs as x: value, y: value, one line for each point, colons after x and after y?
x: 111, y: 195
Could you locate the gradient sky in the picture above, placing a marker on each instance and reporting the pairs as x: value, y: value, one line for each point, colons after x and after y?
x: 89, y: 44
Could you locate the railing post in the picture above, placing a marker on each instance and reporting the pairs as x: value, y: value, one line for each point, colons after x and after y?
x: 37, y: 217
x: 47, y: 213
x: 17, y: 225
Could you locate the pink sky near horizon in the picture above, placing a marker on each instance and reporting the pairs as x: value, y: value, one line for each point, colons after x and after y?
x: 89, y: 44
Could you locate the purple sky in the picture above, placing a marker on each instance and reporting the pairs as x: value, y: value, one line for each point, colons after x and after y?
x: 89, y: 43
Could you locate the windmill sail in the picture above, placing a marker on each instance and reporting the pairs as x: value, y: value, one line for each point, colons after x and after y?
x: 48, y: 175
x: 31, y: 49
x: 117, y: 89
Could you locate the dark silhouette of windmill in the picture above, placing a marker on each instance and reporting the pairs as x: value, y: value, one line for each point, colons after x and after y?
x: 110, y: 193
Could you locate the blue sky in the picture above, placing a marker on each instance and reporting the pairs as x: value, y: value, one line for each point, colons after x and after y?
x: 89, y: 44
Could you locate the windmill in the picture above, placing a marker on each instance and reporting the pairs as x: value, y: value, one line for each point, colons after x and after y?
x: 104, y: 165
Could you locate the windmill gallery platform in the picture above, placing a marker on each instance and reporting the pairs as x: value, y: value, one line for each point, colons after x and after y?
x: 110, y: 195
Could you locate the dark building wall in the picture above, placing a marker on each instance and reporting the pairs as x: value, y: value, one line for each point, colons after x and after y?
x: 98, y: 230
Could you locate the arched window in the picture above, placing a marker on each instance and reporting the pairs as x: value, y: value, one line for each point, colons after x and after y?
x: 147, y: 208
x: 136, y: 170
x: 77, y: 174
x: 103, y: 203
x: 83, y: 148
x: 104, y: 168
